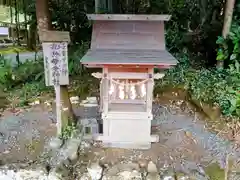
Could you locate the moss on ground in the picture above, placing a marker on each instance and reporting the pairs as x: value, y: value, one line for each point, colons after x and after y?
x: 215, y: 172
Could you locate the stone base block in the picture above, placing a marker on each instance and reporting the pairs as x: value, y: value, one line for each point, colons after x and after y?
x: 106, y: 142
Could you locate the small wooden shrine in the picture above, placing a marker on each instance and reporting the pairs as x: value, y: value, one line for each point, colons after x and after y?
x: 127, y: 48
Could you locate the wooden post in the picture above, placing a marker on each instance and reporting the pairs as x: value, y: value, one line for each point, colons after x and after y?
x: 45, y: 25
x: 105, y: 100
x: 149, y: 95
x: 105, y: 91
x: 56, y: 68
x: 58, y: 108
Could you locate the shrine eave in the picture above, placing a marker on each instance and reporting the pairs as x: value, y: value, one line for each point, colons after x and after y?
x: 128, y: 17
x: 128, y: 57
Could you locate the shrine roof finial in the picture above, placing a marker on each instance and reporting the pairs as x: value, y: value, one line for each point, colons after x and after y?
x: 128, y: 17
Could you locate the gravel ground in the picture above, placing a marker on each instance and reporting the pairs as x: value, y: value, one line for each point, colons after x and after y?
x: 185, y: 142
x: 24, y: 134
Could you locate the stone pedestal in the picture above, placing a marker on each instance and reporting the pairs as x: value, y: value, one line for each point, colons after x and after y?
x: 131, y: 131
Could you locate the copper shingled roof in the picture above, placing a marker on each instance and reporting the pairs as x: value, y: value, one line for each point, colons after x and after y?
x: 128, y: 40
x: 128, y: 57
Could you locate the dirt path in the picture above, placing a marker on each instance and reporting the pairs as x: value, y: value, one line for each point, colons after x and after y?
x: 186, y: 145
x: 23, y: 134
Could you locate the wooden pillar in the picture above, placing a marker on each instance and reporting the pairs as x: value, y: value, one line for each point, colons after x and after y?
x: 105, y: 90
x: 149, y: 95
x: 105, y: 101
x: 101, y: 95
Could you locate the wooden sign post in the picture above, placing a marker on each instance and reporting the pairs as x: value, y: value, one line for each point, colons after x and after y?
x: 55, y: 51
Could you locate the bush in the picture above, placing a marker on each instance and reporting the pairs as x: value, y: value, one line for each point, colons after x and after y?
x: 33, y: 71
x: 28, y: 71
x: 75, y: 54
x: 219, y: 87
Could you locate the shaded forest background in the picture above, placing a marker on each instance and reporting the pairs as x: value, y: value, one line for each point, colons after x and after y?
x: 194, y: 27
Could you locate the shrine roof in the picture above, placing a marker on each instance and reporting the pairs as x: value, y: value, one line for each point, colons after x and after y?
x: 128, y: 17
x: 128, y: 57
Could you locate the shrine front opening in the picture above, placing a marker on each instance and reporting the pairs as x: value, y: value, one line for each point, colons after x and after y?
x: 127, y: 48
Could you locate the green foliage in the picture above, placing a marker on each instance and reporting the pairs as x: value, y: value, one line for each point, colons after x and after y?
x: 26, y: 81
x: 229, y: 49
x: 27, y: 92
x: 68, y: 132
x: 213, y: 86
x: 28, y: 71
x: 6, y: 72
x: 234, y: 36
x: 75, y: 54
x: 33, y: 71
x: 215, y: 172
x: 222, y: 53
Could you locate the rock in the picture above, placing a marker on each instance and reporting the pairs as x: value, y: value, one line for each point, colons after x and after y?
x: 196, y: 175
x: 37, y: 102
x: 85, y: 177
x: 153, y: 176
x: 167, y: 178
x: 167, y: 174
x: 136, y: 175
x: 6, y: 152
x: 128, y: 167
x: 61, y: 171
x: 85, y: 145
x: 55, y: 143
x: 8, y: 175
x: 74, y: 100
x: 143, y: 163
x: 43, y: 168
x: 104, y: 163
x: 54, y: 176
x: 127, y: 175
x: 152, y: 168
x: 92, y: 99
x: 47, y: 103
x: 22, y: 175
x: 73, y: 148
x: 181, y: 176
x: 95, y: 171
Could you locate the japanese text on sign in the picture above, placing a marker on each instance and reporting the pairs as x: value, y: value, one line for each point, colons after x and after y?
x: 56, y: 63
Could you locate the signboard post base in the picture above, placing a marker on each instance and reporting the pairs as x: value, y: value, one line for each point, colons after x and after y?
x: 58, y: 109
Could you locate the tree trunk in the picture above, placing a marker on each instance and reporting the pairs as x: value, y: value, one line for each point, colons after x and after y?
x: 16, y: 22
x: 227, y: 23
x: 97, y: 6
x: 110, y: 6
x: 11, y: 16
x: 44, y: 23
x: 228, y: 17
x: 26, y: 23
x: 32, y: 36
